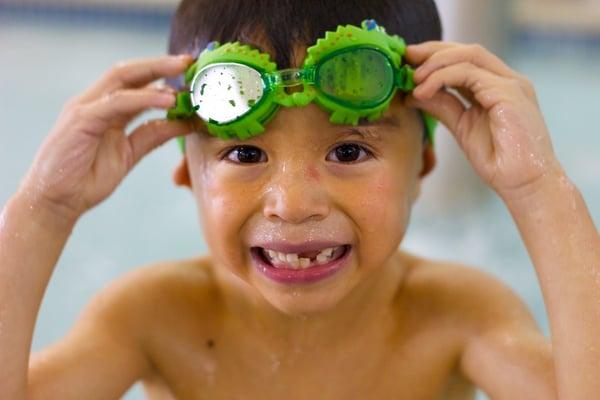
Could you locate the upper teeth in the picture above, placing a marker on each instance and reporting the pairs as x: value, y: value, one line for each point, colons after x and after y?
x: 296, y: 262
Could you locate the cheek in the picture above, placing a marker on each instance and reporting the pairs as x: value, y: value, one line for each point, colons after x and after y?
x: 382, y: 210
x: 221, y: 209
x: 380, y: 202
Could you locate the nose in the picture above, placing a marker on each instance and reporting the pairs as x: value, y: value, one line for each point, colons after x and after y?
x: 295, y: 196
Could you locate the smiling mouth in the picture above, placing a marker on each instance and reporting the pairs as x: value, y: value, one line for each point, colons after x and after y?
x: 301, y: 261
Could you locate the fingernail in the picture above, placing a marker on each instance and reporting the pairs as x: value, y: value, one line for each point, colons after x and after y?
x: 417, y: 73
x: 167, y: 99
x: 185, y: 57
x: 167, y: 89
x: 417, y: 90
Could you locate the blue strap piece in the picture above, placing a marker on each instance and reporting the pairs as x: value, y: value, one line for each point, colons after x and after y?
x: 371, y: 24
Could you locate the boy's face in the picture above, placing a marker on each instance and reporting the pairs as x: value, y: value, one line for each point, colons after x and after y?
x: 305, y: 180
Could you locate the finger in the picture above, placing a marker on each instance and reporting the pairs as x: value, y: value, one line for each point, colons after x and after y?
x: 120, y: 107
x: 474, y: 54
x: 461, y: 123
x: 161, y: 86
x: 421, y: 53
x: 443, y: 106
x: 462, y: 76
x: 417, y: 54
x: 152, y: 134
x: 135, y: 74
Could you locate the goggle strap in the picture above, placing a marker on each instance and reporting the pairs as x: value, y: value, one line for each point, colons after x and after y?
x: 183, y: 107
x: 430, y: 126
x: 405, y: 79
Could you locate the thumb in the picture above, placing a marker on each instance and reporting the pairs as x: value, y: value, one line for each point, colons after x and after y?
x: 443, y: 106
x: 152, y: 134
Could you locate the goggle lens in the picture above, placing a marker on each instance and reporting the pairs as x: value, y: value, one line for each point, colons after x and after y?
x: 225, y: 92
x: 361, y: 78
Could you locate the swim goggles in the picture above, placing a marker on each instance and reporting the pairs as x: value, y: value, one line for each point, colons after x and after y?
x: 353, y: 73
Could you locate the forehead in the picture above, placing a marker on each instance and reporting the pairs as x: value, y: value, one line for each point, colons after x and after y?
x: 313, y: 123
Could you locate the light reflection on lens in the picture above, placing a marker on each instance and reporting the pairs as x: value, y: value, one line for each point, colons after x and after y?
x: 226, y: 91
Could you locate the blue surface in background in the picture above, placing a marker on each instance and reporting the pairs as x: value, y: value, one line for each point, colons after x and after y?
x: 148, y: 219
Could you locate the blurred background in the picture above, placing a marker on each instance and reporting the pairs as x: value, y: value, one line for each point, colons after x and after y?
x: 51, y: 50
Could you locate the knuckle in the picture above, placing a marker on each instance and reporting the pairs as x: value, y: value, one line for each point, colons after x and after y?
x: 76, y: 112
x: 112, y: 72
x: 477, y: 52
x: 71, y: 103
x: 518, y: 84
x: 116, y: 96
x: 526, y: 83
x: 118, y: 68
x: 116, y: 71
x: 514, y: 84
x: 477, y: 48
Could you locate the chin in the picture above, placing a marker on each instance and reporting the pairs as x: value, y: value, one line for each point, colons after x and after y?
x: 299, y: 303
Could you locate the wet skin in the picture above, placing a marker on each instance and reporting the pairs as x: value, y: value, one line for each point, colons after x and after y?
x: 275, y: 339
x: 389, y: 325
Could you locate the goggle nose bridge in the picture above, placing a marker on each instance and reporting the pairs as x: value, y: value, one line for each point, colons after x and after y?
x: 291, y: 77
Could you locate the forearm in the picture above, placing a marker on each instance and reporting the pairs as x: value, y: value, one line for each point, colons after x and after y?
x: 564, y: 246
x: 31, y: 241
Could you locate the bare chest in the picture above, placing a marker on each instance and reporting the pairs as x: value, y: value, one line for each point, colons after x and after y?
x: 421, y: 366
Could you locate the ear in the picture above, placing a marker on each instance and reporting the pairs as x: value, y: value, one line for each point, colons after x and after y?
x: 429, y: 160
x: 181, y: 175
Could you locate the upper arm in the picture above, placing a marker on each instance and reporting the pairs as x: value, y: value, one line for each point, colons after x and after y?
x: 505, y: 354
x: 100, y: 358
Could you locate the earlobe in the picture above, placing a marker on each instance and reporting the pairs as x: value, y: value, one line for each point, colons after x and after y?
x: 429, y: 160
x: 181, y: 175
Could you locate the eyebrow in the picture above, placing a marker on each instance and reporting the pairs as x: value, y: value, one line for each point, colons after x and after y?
x: 374, y: 134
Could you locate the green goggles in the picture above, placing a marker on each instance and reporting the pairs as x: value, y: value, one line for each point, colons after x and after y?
x: 353, y: 73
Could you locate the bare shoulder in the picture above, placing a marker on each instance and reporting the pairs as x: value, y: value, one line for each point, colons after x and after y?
x: 149, y: 289
x: 493, y: 324
x: 113, y: 341
x: 467, y: 293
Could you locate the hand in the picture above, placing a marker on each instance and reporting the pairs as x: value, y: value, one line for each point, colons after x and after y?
x: 88, y: 153
x: 501, y: 131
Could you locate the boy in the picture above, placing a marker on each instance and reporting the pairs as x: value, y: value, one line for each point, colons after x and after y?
x: 385, y: 323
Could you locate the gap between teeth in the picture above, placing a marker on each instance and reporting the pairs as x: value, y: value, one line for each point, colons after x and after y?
x: 296, y: 262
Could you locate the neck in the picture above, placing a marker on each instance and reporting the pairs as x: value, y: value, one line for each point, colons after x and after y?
x: 368, y: 304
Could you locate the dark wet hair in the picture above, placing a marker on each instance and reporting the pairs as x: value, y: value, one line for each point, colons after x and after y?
x: 284, y: 23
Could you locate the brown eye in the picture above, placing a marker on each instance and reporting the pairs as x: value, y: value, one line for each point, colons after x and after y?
x: 349, y: 153
x: 246, y: 155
